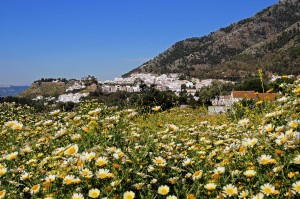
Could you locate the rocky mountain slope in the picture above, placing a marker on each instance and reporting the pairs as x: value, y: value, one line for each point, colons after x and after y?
x: 270, y: 40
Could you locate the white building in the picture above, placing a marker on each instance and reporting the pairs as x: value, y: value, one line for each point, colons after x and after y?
x: 71, y: 97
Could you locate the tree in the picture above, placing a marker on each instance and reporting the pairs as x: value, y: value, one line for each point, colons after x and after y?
x: 153, y: 97
x: 183, y: 97
x: 144, y: 88
x: 205, y: 96
x: 183, y: 87
x: 89, y: 80
x: 251, y: 84
x: 276, y: 84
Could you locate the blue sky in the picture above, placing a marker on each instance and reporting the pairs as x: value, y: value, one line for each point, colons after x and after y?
x: 104, y: 38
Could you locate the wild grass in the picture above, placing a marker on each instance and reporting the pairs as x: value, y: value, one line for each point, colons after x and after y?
x: 103, y: 152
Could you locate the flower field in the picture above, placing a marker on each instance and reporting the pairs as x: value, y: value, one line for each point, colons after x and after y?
x: 104, y: 152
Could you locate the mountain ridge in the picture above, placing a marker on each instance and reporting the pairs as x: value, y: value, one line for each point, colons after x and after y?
x: 236, y: 51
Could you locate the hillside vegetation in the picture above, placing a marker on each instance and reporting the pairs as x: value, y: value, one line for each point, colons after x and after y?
x: 54, y: 87
x: 270, y: 40
x: 44, y: 89
x: 98, y: 151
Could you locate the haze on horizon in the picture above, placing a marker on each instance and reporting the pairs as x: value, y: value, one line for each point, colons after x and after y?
x: 76, y: 38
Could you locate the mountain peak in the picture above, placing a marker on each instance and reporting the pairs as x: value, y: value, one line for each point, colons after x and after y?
x: 269, y: 40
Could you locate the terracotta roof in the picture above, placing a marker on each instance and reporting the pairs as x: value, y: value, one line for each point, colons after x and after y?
x: 244, y: 94
x: 268, y: 96
x: 253, y: 95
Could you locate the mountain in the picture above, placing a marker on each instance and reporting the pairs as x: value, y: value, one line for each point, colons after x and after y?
x: 12, y: 90
x: 270, y: 40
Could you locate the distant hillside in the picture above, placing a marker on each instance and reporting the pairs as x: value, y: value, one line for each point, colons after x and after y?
x: 54, y: 87
x: 269, y: 40
x: 44, y: 89
x: 12, y: 90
